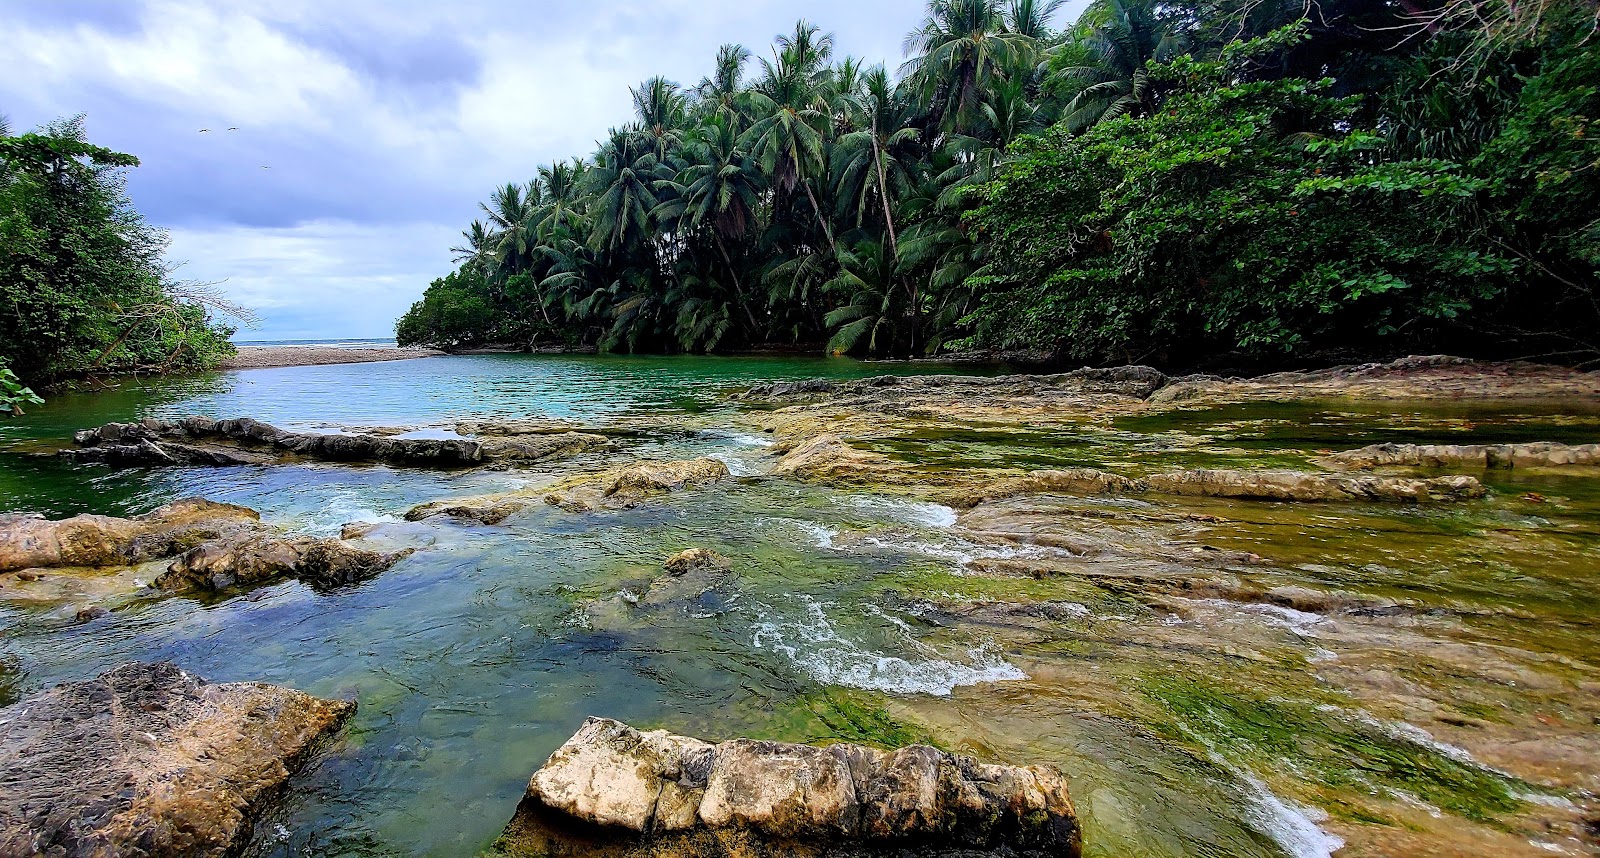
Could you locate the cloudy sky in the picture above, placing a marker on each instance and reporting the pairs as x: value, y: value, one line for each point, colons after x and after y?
x: 367, y: 130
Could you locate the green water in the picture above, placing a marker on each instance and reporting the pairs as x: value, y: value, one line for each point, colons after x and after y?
x: 479, y: 654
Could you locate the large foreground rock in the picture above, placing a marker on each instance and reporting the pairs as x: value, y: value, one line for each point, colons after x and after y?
x: 1485, y: 456
x: 612, y: 790
x: 32, y: 542
x: 148, y: 760
x: 244, y: 441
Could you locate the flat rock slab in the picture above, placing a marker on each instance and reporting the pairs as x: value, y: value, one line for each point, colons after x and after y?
x: 148, y: 760
x: 612, y: 790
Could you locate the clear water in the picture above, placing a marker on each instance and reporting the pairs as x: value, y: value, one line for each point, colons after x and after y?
x: 478, y: 655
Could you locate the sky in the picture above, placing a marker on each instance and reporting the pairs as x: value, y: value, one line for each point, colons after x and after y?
x: 366, y: 130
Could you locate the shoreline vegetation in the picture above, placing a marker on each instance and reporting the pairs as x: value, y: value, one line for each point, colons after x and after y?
x: 1229, y: 186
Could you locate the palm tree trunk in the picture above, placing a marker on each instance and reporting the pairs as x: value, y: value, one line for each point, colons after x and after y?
x: 883, y: 194
x: 737, y: 286
x: 826, y: 230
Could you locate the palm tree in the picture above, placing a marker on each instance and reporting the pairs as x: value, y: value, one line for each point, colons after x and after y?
x: 865, y: 279
x: 788, y: 140
x: 1103, y: 71
x: 660, y: 110
x: 873, y: 166
x: 956, y: 56
x: 722, y: 89
x: 716, y: 188
x: 623, y: 180
x: 1031, y: 18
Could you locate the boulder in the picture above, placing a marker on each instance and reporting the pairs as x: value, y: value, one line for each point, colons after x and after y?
x: 148, y: 760
x: 253, y: 557
x: 827, y: 458
x: 1485, y: 456
x: 627, y: 486
x: 30, y: 541
x: 612, y: 790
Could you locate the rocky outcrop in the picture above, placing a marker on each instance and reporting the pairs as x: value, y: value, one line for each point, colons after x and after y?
x: 1415, y: 377
x: 534, y: 448
x: 612, y: 790
x: 1484, y: 456
x: 243, y: 441
x: 255, y: 557
x: 1302, y: 486
x: 827, y: 458
x: 1137, y: 382
x: 148, y: 760
x: 215, y: 546
x: 628, y: 486
x: 1071, y: 481
x: 1247, y: 485
x: 489, y: 509
x: 32, y: 542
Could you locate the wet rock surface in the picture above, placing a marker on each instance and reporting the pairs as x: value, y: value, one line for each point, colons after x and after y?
x: 31, y: 541
x: 613, y: 790
x: 827, y: 458
x: 244, y: 441
x: 1485, y: 456
x: 252, y: 558
x: 632, y: 484
x: 1275, y: 485
x: 148, y: 760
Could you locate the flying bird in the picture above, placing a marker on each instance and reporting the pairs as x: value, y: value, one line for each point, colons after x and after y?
x: 234, y: 128
x: 204, y: 130
x: 265, y: 167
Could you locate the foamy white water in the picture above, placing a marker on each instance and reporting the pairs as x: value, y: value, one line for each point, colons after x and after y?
x: 814, y: 646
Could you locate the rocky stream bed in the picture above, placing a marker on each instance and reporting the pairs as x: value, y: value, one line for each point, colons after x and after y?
x: 1349, y: 612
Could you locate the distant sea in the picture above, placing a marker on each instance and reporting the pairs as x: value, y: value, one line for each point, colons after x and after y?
x: 381, y: 343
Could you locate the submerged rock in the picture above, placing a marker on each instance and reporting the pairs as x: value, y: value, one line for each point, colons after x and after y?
x: 612, y: 790
x: 251, y: 558
x: 828, y: 458
x: 534, y: 448
x: 627, y: 486
x: 1543, y: 453
x: 31, y: 541
x: 698, y: 581
x: 148, y: 760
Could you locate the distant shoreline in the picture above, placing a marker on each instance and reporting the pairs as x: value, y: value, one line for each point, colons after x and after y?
x: 262, y: 357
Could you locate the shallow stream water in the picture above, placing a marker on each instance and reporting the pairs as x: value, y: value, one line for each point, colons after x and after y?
x: 1210, y: 729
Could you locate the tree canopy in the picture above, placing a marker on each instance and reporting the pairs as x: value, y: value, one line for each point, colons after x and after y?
x: 1182, y: 181
x: 83, y: 284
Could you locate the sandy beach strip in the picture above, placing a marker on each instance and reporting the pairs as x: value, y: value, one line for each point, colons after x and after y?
x: 259, y: 357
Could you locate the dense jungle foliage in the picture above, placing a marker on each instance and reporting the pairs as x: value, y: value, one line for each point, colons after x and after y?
x: 83, y: 285
x: 1174, y: 181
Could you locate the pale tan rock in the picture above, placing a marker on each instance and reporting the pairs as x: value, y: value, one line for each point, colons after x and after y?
x: 614, y: 791
x: 1303, y: 486
x: 628, y: 486
x: 1070, y: 481
x: 98, y: 540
